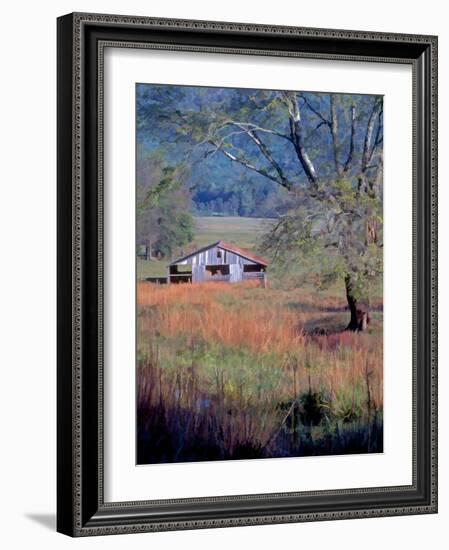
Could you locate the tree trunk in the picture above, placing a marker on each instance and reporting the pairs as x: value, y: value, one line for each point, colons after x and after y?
x: 359, y: 312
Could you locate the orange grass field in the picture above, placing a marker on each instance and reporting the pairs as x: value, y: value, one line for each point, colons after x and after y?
x: 239, y: 371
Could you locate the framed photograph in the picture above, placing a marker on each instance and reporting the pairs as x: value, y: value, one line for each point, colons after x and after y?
x: 247, y: 279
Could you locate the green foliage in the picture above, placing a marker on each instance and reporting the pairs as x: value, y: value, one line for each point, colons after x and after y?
x: 163, y: 220
x: 329, y: 236
x: 346, y: 194
x: 175, y: 229
x: 157, y: 192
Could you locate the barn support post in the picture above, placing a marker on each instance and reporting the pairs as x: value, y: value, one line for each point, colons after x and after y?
x: 265, y: 280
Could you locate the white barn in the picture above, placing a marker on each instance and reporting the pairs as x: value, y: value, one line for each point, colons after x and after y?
x: 219, y: 261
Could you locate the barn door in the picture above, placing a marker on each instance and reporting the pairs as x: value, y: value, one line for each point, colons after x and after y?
x: 236, y: 273
x: 198, y: 273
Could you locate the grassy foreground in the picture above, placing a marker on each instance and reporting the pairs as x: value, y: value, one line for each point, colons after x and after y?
x: 238, y: 371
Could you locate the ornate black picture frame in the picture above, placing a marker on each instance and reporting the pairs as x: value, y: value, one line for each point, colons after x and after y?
x: 81, y: 509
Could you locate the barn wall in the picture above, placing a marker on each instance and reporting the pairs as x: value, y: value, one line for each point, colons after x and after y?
x: 198, y: 273
x: 209, y: 257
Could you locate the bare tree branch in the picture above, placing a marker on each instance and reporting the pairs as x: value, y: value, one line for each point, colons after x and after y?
x: 315, y: 111
x: 244, y: 162
x: 266, y: 153
x: 333, y: 126
x: 250, y: 130
x: 379, y: 134
x: 248, y: 126
x: 310, y: 134
x: 368, y: 136
x: 351, y: 143
x: 294, y: 114
x: 367, y: 150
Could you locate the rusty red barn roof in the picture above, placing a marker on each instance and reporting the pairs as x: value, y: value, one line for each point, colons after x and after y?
x: 242, y: 252
x: 225, y: 246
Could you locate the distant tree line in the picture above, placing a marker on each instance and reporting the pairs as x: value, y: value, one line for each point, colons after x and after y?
x: 235, y: 198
